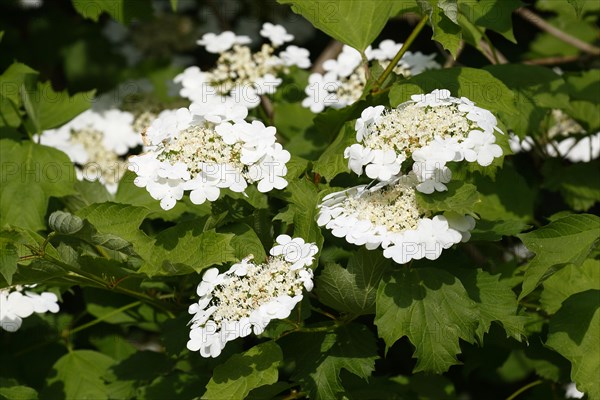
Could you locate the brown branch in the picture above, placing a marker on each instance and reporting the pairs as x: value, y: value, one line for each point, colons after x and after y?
x: 538, y: 21
x: 488, y: 52
x: 330, y: 52
x: 556, y: 60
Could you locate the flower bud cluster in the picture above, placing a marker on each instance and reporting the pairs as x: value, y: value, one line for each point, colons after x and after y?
x: 345, y: 78
x: 245, y: 298
x: 388, y: 215
x: 430, y: 130
x: 17, y: 303
x: 207, y: 148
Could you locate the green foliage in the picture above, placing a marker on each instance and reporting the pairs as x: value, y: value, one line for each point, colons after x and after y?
x: 366, y: 18
x: 489, y: 312
x: 433, y: 309
x: 241, y: 373
x: 537, y: 90
x: 45, y: 108
x: 121, y: 10
x: 352, y: 289
x: 578, y: 342
x: 568, y: 281
x: 477, y: 85
x: 443, y: 15
x: 321, y: 357
x: 564, y: 241
x: 79, y: 375
x: 18, y: 393
x: 332, y: 162
x: 31, y: 174
x: 460, y: 198
x: 574, y: 183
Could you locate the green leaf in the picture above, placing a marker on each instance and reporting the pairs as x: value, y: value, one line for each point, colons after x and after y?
x: 332, y: 161
x: 574, y: 333
x: 182, y: 249
x: 584, y: 89
x: 119, y: 220
x: 116, y: 347
x: 460, y: 197
x: 78, y: 375
x: 507, y: 198
x: 494, y: 230
x: 121, y: 10
x: 569, y: 8
x: 352, y: 289
x: 443, y: 15
x: 18, y: 393
x: 31, y: 174
x: 245, y: 242
x: 13, y: 78
x: 8, y: 259
x: 173, y: 5
x: 497, y: 16
x: 573, y: 182
x: 32, y: 111
x: 568, y: 281
x: 185, y: 248
x: 477, y: 85
x: 320, y: 357
x: 537, y: 90
x: 304, y: 198
x: 432, y: 308
x: 564, y: 241
x: 356, y: 23
x: 495, y: 300
x: 52, y: 109
x: 241, y: 373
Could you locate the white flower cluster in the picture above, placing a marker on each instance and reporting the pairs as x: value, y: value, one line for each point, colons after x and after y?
x: 344, y: 79
x: 240, y: 76
x: 95, y: 142
x: 432, y: 130
x: 20, y: 303
x: 248, y: 296
x: 565, y: 142
x: 389, y: 216
x: 207, y: 148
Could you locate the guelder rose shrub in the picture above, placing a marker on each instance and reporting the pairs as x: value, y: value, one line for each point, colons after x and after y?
x: 302, y: 199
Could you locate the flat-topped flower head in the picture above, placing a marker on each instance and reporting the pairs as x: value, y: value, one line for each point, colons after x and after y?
x: 241, y: 76
x: 389, y: 215
x: 203, y: 150
x: 96, y: 143
x: 16, y: 303
x: 430, y: 131
x: 245, y: 298
x: 345, y: 77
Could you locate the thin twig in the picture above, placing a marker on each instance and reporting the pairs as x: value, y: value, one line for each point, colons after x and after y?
x: 557, y: 60
x: 411, y: 38
x: 523, y: 389
x: 330, y: 52
x: 493, y: 55
x: 538, y: 21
